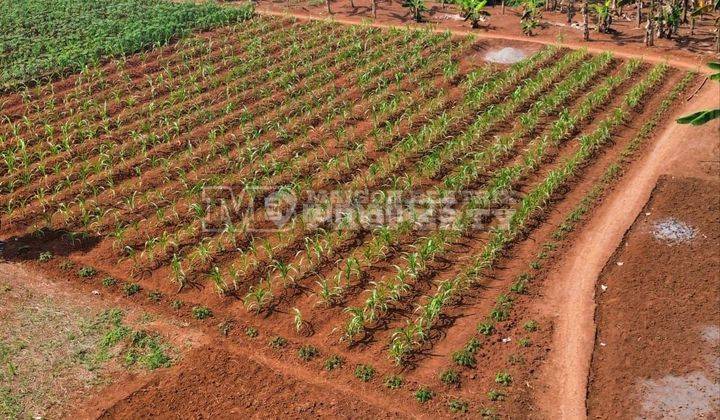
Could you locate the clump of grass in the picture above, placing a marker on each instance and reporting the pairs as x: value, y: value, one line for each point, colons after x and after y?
x: 466, y: 356
x: 495, y: 395
x: 155, y: 296
x: 201, y: 312
x: 131, y: 289
x: 364, y: 372
x: 45, y: 256
x: 67, y: 265
x: 308, y: 352
x: 109, y: 282
x: 251, y: 332
x: 524, y: 342
x: 486, y: 328
x: 450, y: 377
x: 394, y: 382
x: 176, y: 304
x: 278, y: 342
x: 333, y: 362
x: 458, y: 406
x: 225, y: 327
x: 503, y: 378
x: 423, y: 395
x: 520, y: 285
x: 146, y: 350
x: 87, y: 272
x: 531, y: 326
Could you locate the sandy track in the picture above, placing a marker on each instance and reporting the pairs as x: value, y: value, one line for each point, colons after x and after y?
x: 680, y: 150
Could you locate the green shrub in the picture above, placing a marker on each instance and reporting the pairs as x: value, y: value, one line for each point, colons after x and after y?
x: 252, y: 332
x: 450, y: 377
x: 109, y: 282
x: 458, y: 406
x: 364, y: 372
x: 201, y: 312
x: 394, y: 382
x: 531, y: 326
x: 464, y: 358
x: 503, y: 378
x: 278, y: 342
x: 131, y: 289
x: 423, y: 395
x: 87, y: 272
x: 333, y: 362
x: 307, y: 353
x: 486, y: 328
x: 45, y: 256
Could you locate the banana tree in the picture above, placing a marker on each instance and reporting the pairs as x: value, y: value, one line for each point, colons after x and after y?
x: 604, y: 16
x: 530, y: 17
x: 704, y: 116
x: 474, y: 11
x: 417, y: 7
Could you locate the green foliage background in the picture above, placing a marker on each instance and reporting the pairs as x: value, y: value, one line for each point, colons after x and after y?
x: 43, y: 38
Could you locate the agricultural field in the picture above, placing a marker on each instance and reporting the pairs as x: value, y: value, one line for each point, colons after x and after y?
x: 372, y: 213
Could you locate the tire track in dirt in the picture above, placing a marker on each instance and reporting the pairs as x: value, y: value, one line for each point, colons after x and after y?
x: 570, y: 293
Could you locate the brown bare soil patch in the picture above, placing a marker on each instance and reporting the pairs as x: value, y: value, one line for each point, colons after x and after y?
x: 656, y: 346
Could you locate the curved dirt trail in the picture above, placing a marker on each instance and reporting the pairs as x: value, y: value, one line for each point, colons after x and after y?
x: 680, y: 150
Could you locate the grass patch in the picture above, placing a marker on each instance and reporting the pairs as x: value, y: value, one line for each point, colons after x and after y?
x: 45, y: 38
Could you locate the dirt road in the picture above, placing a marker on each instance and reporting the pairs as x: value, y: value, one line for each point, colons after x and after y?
x: 680, y: 150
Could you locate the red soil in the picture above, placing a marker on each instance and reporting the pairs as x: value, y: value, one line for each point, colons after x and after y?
x: 658, y: 315
x: 219, y: 382
x: 200, y: 384
x: 685, y: 51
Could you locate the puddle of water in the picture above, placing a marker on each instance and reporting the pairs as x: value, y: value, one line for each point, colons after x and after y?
x: 507, y: 55
x: 680, y: 397
x: 711, y: 334
x: 672, y: 230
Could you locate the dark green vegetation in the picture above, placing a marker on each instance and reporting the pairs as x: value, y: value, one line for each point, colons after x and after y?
x: 42, y: 38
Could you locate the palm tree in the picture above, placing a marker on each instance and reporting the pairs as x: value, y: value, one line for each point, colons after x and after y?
x: 374, y: 8
x: 327, y: 3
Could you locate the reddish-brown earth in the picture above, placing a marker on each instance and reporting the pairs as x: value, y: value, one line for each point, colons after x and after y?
x: 658, y: 322
x: 627, y: 39
x: 210, y: 381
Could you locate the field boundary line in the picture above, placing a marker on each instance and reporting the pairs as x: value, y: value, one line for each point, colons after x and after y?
x: 651, y: 57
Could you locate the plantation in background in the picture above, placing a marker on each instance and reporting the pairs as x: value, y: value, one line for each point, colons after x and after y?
x: 40, y: 38
x: 117, y: 161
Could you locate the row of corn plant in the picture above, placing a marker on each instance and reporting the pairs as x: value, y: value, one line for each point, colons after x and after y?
x: 475, y: 97
x: 406, y: 339
x: 224, y: 86
x: 389, y: 289
x: 145, y: 156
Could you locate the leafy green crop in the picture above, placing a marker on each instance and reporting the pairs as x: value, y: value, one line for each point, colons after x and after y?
x: 43, y: 38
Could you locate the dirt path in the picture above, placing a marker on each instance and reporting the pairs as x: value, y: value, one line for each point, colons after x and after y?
x: 571, y: 285
x: 649, y: 55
